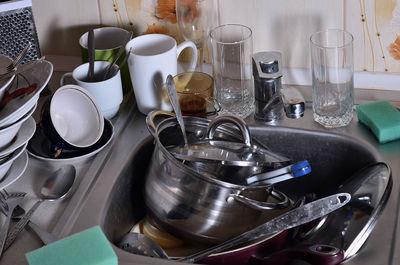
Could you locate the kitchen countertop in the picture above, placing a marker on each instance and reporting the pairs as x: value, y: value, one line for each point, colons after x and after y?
x: 95, y: 176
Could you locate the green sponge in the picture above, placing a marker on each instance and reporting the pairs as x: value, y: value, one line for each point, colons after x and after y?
x: 89, y: 247
x: 382, y: 118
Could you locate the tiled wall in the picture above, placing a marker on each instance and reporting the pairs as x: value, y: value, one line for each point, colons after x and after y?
x: 277, y: 25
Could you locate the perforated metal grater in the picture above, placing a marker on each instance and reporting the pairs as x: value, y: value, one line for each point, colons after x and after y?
x: 17, y: 28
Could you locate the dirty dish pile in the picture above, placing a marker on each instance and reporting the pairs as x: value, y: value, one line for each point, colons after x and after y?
x: 18, y: 101
x: 196, y: 204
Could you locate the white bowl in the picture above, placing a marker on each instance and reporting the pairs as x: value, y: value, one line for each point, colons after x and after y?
x: 8, y: 133
x: 76, y: 117
x: 6, y: 164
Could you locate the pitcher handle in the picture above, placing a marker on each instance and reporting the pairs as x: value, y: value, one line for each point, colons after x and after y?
x: 193, y: 60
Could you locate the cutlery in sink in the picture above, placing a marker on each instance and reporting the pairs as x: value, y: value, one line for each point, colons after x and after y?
x: 55, y: 187
x: 45, y: 236
x: 8, y: 202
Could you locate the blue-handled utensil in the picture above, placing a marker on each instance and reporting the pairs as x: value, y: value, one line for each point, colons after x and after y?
x: 272, y: 177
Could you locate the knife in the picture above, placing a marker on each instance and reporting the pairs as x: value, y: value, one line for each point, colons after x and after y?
x: 293, y: 218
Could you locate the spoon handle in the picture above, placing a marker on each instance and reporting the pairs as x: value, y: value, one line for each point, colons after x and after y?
x: 45, y: 236
x: 12, y: 235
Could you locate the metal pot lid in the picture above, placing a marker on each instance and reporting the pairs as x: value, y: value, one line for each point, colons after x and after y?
x: 227, y: 153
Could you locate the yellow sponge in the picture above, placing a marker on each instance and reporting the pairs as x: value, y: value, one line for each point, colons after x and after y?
x: 382, y: 118
x: 89, y: 247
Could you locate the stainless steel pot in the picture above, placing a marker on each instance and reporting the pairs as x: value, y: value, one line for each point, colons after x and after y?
x: 194, y: 206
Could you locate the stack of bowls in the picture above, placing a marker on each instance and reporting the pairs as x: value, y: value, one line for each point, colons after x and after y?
x: 18, y: 100
x: 71, y: 120
x: 14, y: 136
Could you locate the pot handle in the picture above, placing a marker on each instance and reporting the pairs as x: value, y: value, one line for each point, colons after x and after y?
x: 239, y: 122
x: 153, y: 119
x: 257, y: 205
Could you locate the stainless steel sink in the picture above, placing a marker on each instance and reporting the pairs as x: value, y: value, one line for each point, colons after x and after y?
x: 113, y: 198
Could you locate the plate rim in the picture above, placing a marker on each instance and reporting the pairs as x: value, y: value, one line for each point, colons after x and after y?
x: 16, y: 171
x: 80, y: 157
x: 3, y: 121
x: 30, y: 127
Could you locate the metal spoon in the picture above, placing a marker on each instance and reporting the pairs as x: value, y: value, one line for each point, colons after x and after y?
x: 140, y: 244
x: 45, y: 236
x: 173, y: 97
x: 55, y: 187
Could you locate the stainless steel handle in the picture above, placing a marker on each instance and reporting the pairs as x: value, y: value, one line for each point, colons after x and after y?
x: 153, y: 116
x: 20, y: 225
x: 4, y: 229
x: 45, y: 236
x: 293, y: 218
x: 239, y: 122
x: 257, y: 205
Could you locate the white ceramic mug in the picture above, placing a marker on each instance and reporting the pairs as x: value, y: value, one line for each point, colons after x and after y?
x: 107, y: 93
x: 153, y: 57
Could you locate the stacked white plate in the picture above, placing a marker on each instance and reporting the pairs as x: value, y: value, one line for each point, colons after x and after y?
x: 17, y: 125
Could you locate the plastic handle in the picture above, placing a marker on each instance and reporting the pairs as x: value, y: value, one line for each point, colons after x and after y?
x: 300, y: 169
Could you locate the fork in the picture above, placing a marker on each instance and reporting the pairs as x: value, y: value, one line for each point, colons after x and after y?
x: 9, y: 68
x: 8, y: 202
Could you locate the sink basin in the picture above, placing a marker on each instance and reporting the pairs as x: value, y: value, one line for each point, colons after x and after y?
x: 333, y: 158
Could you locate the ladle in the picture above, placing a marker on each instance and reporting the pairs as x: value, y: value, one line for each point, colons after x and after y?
x: 55, y: 187
x: 173, y: 97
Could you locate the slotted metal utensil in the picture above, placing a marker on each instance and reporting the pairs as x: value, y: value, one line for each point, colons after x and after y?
x: 293, y: 218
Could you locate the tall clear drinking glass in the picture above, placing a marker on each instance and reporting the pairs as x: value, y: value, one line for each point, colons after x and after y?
x: 231, y: 51
x: 332, y: 77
